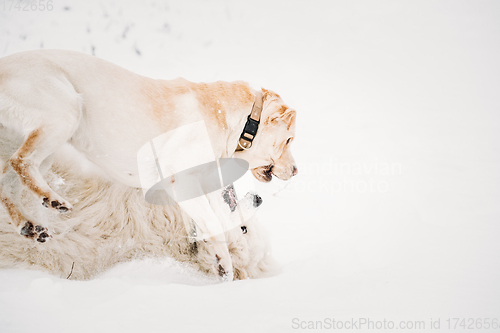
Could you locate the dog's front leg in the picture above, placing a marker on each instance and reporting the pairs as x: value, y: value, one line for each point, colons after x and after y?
x: 10, y: 187
x: 26, y: 161
x: 210, y: 229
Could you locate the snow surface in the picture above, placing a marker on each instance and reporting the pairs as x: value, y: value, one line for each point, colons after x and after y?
x: 395, y: 212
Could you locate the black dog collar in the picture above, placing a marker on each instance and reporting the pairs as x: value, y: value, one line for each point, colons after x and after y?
x: 252, y: 124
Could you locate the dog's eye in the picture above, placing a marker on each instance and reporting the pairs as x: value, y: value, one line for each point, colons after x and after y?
x: 288, y: 141
x: 243, y: 229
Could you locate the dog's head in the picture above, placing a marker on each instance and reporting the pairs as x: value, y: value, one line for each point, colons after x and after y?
x: 247, y: 241
x: 270, y: 152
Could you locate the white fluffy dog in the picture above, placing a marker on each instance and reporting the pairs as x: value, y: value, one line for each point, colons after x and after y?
x: 112, y: 223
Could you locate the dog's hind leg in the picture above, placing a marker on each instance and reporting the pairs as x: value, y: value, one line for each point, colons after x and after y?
x: 42, y: 105
x: 39, y: 146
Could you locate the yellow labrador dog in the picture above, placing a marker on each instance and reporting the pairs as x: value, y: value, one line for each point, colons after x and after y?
x: 107, y: 113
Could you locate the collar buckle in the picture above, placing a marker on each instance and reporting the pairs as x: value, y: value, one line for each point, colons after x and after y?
x: 252, y: 125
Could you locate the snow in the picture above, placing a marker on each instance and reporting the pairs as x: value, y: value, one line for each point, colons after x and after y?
x: 394, y: 214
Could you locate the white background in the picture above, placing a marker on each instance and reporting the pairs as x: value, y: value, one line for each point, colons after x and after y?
x: 395, y: 211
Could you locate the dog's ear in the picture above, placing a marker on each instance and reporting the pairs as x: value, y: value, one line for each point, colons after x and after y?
x: 268, y: 95
x: 289, y: 117
x: 284, y: 114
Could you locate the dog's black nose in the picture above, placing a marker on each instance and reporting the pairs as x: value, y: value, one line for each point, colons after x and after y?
x: 257, y: 200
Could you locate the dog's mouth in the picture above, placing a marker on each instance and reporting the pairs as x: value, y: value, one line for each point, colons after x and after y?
x: 229, y: 195
x: 263, y: 173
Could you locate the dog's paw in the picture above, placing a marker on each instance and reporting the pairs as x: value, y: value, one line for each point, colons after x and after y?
x: 223, y: 269
x: 57, y: 204
x: 35, y: 232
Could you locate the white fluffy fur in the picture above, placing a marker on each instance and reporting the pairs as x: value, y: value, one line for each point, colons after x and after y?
x: 112, y: 223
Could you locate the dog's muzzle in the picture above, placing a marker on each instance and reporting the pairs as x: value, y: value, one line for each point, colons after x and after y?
x: 229, y: 196
x: 257, y: 200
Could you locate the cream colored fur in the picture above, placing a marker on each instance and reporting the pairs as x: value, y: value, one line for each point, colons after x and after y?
x: 112, y: 223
